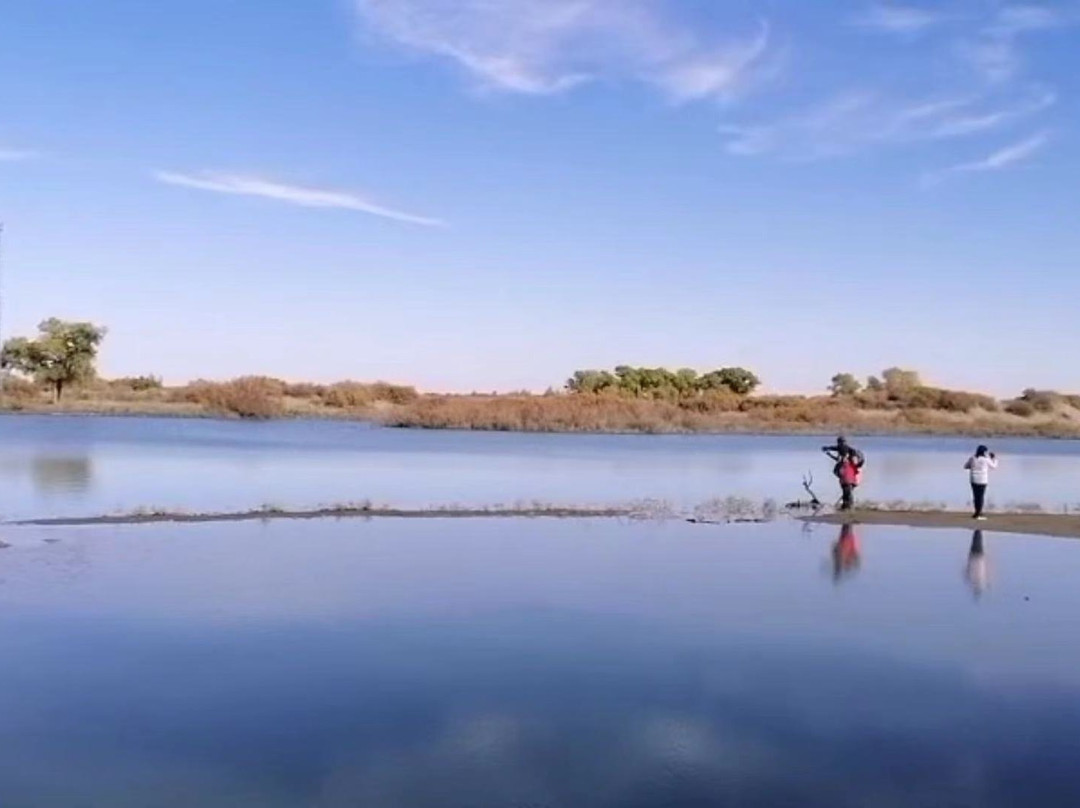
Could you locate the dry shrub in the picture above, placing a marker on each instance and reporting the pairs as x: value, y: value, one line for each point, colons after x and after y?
x: 137, y: 384
x: 603, y: 413
x: 615, y: 413
x: 920, y: 418
x: 540, y: 414
x: 347, y: 395
x: 1043, y: 400
x: 305, y: 390
x: 1020, y: 407
x: 126, y: 389
x: 873, y: 400
x: 394, y: 393
x: 758, y: 403
x: 713, y: 401
x: 935, y: 398
x: 272, y: 386
x: 199, y: 391
x: 20, y: 389
x: 355, y: 395
x: 959, y: 401
x: 247, y: 397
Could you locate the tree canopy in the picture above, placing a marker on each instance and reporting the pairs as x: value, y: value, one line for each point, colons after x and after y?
x: 899, y: 381
x: 844, y: 384
x: 640, y: 382
x: 62, y: 354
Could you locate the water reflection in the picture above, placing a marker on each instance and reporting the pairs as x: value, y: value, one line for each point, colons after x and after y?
x: 519, y: 663
x: 62, y: 474
x: 49, y: 474
x: 846, y: 554
x: 80, y: 466
x: 977, y: 572
x: 524, y: 710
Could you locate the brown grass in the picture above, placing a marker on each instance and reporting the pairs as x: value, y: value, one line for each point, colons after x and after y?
x: 247, y: 397
x: 919, y: 411
x: 588, y: 413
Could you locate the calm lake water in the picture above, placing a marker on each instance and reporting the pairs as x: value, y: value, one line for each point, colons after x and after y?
x: 83, y: 466
x: 407, y: 664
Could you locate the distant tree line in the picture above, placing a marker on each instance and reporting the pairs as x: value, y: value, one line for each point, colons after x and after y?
x: 63, y: 355
x: 898, y: 388
x: 893, y: 381
x: 661, y: 383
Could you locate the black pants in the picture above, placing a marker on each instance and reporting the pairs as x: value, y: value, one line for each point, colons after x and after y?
x: 847, y: 497
x: 978, y: 493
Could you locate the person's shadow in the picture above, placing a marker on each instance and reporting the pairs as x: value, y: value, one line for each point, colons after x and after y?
x: 976, y: 572
x: 846, y: 554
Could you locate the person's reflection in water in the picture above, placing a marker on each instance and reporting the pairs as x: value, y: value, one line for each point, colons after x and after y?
x: 976, y: 572
x: 845, y: 554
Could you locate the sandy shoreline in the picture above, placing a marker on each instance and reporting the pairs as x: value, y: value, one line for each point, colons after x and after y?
x: 1031, y: 524
x: 262, y: 515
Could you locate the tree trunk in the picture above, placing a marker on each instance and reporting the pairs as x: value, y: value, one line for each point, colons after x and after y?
x: 59, y: 391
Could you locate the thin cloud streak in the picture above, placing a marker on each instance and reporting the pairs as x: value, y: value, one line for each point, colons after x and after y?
x: 989, y: 91
x: 1018, y: 19
x: 897, y: 19
x: 241, y: 185
x: 999, y: 160
x: 853, y: 122
x: 545, y: 47
x: 1010, y: 155
x: 995, y: 51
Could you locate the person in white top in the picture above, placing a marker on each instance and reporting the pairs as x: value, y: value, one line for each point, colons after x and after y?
x: 980, y: 465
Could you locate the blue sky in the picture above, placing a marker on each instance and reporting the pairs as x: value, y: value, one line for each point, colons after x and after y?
x: 468, y: 194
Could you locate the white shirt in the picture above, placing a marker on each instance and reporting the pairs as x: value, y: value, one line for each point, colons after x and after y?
x: 980, y: 469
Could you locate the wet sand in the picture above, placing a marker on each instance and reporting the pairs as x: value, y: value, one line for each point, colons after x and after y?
x: 553, y: 512
x: 1030, y: 524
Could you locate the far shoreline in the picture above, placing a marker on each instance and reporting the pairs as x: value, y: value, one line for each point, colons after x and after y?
x: 1036, y: 432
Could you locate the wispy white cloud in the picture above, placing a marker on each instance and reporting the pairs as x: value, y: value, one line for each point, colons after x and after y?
x: 855, y: 121
x: 995, y: 50
x: 954, y: 69
x: 17, y: 155
x: 898, y: 19
x: 1018, y: 19
x: 549, y: 46
x: 999, y: 160
x: 1010, y: 155
x: 977, y: 52
x: 241, y: 185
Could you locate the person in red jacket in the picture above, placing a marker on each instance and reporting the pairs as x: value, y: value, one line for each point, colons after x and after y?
x: 848, y: 469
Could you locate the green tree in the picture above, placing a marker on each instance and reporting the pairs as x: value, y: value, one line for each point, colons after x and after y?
x: 686, y: 381
x: 590, y: 381
x: 661, y: 383
x: 738, y: 380
x: 629, y: 379
x: 63, y: 354
x: 875, y: 385
x: 844, y: 384
x: 899, y: 381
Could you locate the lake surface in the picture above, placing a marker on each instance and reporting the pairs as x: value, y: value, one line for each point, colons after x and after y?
x: 72, y: 466
x: 454, y: 663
